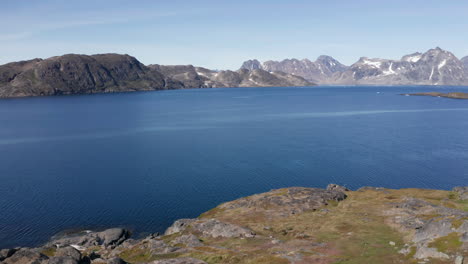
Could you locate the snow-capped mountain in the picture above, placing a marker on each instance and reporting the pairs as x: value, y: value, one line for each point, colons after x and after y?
x: 434, y: 67
x: 318, y: 71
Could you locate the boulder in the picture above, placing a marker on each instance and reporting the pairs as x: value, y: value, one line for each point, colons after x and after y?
x: 68, y: 252
x: 6, y: 253
x: 63, y: 260
x: 432, y: 230
x: 336, y: 187
x: 109, y: 237
x: 462, y: 192
x: 113, y: 236
x: 179, y: 226
x: 26, y: 256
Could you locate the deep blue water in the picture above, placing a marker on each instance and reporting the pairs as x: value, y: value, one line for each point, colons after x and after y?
x: 142, y: 160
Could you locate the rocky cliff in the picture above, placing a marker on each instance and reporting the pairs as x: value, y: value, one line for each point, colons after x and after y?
x: 291, y: 225
x: 104, y: 73
x: 434, y: 67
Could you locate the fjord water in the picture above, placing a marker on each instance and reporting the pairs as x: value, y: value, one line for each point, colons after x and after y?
x: 142, y: 160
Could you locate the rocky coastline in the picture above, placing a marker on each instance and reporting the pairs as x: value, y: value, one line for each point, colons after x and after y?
x: 290, y: 225
x: 454, y: 95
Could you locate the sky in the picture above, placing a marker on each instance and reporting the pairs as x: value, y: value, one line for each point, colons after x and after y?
x: 223, y: 34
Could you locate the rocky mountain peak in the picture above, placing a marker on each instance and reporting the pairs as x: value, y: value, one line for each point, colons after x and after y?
x: 251, y: 65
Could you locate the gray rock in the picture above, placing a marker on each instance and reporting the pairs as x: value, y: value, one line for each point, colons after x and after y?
x: 211, y: 227
x: 26, y: 256
x: 179, y: 226
x: 189, y: 240
x: 113, y: 236
x: 432, y: 230
x: 6, y: 253
x: 68, y: 252
x: 63, y: 260
x: 110, y: 237
x: 116, y: 261
x: 462, y: 192
x: 216, y: 228
x: 336, y: 187
x: 425, y: 253
x: 179, y: 261
x: 287, y: 201
x: 459, y: 260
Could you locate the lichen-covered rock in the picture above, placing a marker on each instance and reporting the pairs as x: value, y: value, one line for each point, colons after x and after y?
x: 462, y: 192
x: 215, y: 228
x: 188, y: 240
x: 179, y: 226
x: 292, y: 200
x: 179, y: 261
x: 26, y: 256
x: 211, y: 227
x: 113, y: 236
x: 62, y: 260
x: 68, y: 252
x: 109, y: 237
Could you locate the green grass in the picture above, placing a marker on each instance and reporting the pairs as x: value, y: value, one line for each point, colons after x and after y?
x: 447, y: 244
x: 50, y: 252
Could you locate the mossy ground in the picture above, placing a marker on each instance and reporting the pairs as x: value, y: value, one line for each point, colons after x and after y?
x: 355, y: 230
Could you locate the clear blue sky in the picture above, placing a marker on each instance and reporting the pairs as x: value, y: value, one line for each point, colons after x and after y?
x: 222, y: 34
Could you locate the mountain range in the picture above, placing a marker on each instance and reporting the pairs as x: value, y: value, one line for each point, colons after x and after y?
x: 434, y: 67
x: 104, y: 73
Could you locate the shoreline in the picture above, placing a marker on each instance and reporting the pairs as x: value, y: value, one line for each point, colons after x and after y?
x: 324, y: 221
x: 453, y: 95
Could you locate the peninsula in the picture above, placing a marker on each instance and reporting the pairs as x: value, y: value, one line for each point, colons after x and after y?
x: 446, y: 95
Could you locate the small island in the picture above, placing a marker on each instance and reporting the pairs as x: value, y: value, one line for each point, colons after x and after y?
x: 290, y: 225
x: 455, y: 95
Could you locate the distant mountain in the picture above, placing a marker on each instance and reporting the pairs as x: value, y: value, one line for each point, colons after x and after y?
x: 434, y: 67
x: 318, y: 71
x: 464, y: 60
x: 198, y: 77
x: 103, y: 73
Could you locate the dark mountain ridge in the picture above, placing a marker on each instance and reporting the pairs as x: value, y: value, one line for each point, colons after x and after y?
x: 104, y: 73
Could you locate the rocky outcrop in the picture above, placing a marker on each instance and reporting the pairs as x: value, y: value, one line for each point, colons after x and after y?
x: 437, y: 94
x: 212, y: 228
x: 110, y: 237
x: 290, y: 225
x: 462, y: 191
x: 284, y: 202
